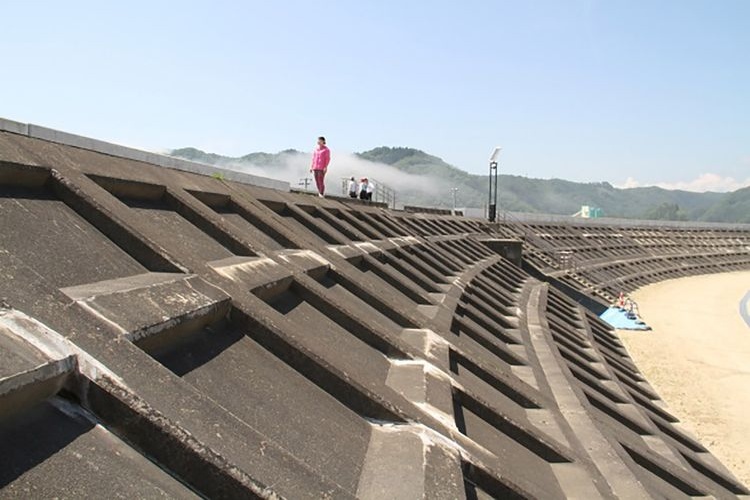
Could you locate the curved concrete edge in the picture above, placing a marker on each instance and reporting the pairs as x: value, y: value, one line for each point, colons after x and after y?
x: 108, y: 148
x: 621, y: 479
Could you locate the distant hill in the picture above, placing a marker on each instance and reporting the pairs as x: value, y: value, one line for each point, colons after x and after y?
x: 732, y: 207
x: 517, y: 193
x: 261, y: 159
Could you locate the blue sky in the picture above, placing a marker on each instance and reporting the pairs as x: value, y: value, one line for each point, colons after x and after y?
x: 641, y: 92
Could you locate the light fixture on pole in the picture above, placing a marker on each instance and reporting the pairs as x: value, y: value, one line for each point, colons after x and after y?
x: 492, y: 202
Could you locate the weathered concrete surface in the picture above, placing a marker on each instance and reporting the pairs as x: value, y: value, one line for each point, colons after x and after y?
x: 511, y: 250
x: 251, y: 342
x: 17, y: 355
x: 68, y: 250
x: 55, y: 450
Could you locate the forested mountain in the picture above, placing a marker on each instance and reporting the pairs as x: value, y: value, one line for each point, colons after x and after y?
x: 516, y: 193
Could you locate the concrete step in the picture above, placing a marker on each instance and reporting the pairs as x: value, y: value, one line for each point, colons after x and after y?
x: 153, y: 308
x: 27, y: 375
x: 22, y: 390
x: 410, y: 461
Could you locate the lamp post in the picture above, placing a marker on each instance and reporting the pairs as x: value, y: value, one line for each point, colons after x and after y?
x: 492, y: 202
x: 455, y: 190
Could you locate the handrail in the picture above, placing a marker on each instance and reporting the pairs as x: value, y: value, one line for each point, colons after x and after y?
x: 382, y: 193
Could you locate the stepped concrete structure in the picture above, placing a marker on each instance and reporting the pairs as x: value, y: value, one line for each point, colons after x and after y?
x: 604, y: 259
x: 166, y: 332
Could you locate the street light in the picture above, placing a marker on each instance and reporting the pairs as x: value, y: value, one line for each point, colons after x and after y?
x: 492, y: 203
x: 455, y: 191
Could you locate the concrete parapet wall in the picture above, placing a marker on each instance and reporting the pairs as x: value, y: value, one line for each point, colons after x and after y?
x: 108, y: 148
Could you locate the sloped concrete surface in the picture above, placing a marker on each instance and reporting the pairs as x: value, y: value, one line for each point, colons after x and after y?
x: 168, y: 334
x: 56, y: 450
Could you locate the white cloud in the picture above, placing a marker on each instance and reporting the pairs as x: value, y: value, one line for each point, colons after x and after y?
x: 630, y: 182
x: 702, y: 183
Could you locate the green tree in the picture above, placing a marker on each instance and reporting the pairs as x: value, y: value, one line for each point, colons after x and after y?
x: 665, y: 211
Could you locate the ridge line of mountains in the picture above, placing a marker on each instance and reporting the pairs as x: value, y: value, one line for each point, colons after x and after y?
x: 516, y: 193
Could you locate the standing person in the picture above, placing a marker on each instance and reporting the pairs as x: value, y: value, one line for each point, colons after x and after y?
x: 365, y: 193
x: 320, y: 160
x: 352, y: 188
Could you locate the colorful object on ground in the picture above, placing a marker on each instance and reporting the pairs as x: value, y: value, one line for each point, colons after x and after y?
x: 623, y: 320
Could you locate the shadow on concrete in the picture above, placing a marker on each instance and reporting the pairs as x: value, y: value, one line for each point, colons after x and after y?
x: 32, y: 437
x: 26, y: 193
x: 199, y: 349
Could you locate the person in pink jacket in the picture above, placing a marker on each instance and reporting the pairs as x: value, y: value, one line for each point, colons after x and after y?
x: 320, y: 160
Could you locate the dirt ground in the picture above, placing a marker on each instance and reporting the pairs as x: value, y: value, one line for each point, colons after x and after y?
x: 698, y: 359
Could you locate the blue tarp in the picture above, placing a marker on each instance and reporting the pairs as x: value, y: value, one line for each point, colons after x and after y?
x: 618, y: 318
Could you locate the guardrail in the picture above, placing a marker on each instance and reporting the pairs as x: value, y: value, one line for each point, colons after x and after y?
x: 382, y: 194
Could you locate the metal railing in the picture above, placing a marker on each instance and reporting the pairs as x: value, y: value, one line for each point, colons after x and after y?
x: 382, y: 193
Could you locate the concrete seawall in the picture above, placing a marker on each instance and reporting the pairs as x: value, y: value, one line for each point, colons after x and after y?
x: 167, y: 333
